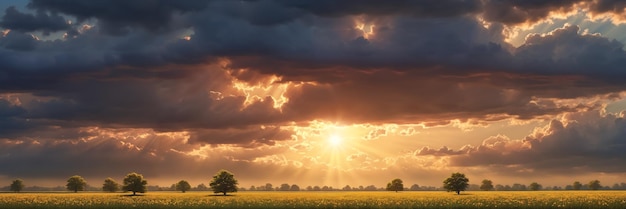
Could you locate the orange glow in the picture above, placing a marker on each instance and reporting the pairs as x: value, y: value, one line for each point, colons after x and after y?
x: 368, y: 30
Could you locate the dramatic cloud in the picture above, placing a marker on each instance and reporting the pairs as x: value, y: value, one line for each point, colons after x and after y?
x: 579, y: 142
x: 18, y: 21
x: 200, y: 82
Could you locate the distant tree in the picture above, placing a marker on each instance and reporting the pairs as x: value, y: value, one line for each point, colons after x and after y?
x: 577, y: 185
x: 569, y: 187
x: 499, y: 187
x: 534, y: 186
x: 110, y: 185
x: 486, y: 185
x: 284, y: 187
x: 252, y: 188
x: 615, y: 186
x: 370, y: 188
x: 457, y: 182
x: 183, y: 186
x: 223, y: 182
x: 135, y: 182
x: 294, y: 188
x: 325, y: 188
x: 202, y: 187
x: 594, y: 185
x: 346, y: 188
x: 518, y: 187
x: 17, y: 185
x: 414, y: 187
x: 76, y: 183
x: 317, y: 188
x: 269, y: 187
x: 395, y: 185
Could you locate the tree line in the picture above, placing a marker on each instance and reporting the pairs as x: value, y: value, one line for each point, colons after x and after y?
x: 224, y: 182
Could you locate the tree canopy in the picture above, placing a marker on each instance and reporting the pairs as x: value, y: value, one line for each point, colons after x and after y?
x: 395, y: 185
x: 110, y: 185
x: 594, y: 185
x: 534, y: 186
x: 183, y: 186
x: 17, y: 185
x: 223, y: 182
x: 487, y: 185
x: 76, y: 183
x: 457, y: 182
x: 577, y: 185
x: 135, y: 182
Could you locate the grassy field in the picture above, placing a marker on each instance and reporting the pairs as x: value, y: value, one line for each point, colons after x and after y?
x: 539, y: 199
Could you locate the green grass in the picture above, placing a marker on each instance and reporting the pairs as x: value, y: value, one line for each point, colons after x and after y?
x: 539, y: 199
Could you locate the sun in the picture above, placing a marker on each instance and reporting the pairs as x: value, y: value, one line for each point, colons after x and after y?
x: 335, y: 140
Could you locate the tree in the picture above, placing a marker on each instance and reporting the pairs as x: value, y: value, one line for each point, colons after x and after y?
x: 457, y: 182
x: 284, y: 187
x: 203, y: 187
x: 224, y: 182
x: 534, y: 186
x: 294, y: 188
x: 183, y: 186
x: 395, y: 185
x: 134, y: 182
x: 347, y: 188
x: 487, y: 185
x: 269, y: 187
x: 110, y: 185
x: 415, y: 187
x: 17, y: 185
x: 577, y: 185
x: 76, y: 183
x: 594, y: 185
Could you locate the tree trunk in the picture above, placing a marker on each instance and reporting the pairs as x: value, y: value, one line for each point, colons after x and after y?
x: 224, y: 193
x: 75, y: 190
x: 458, y: 192
x: 133, y: 193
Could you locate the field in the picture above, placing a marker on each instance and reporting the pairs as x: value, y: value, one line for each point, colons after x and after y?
x: 538, y: 199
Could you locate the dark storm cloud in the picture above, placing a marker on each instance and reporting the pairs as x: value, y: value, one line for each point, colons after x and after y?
x: 445, y: 8
x: 565, y: 51
x: 117, y: 15
x: 154, y: 79
x: 15, y: 20
x: 521, y: 11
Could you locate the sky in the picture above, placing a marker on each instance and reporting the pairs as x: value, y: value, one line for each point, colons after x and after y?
x: 313, y: 92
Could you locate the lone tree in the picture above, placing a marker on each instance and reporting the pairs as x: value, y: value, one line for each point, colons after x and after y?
x: 535, y: 186
x: 110, y: 185
x: 183, y: 186
x: 17, y: 185
x: 134, y: 182
x: 577, y: 185
x: 76, y: 183
x: 594, y: 185
x: 395, y: 185
x: 457, y: 182
x: 223, y: 182
x: 487, y: 185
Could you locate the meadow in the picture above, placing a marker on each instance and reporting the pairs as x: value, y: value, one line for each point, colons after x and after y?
x: 335, y: 199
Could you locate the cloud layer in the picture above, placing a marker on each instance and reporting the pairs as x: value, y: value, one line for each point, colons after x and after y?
x: 248, y: 74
